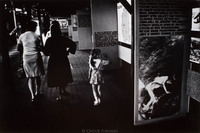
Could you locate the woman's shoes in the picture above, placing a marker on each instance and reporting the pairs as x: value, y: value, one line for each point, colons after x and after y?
x: 97, y: 102
x: 32, y: 100
x: 59, y: 99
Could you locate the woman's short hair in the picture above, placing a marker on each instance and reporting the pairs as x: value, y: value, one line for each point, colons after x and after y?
x: 55, y: 30
x: 31, y: 26
x: 55, y: 23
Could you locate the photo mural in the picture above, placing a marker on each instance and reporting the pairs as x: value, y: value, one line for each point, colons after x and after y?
x: 195, y: 50
x: 160, y: 76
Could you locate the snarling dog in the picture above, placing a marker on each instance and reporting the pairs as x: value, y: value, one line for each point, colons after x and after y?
x: 158, y: 82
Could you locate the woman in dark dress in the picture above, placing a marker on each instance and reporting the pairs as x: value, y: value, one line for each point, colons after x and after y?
x: 58, y: 48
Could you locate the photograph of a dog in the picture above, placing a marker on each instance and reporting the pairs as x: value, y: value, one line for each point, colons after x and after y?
x: 160, y: 75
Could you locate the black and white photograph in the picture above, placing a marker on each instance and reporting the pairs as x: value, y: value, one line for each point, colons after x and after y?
x: 99, y: 66
x: 195, y: 50
x: 196, y: 19
x: 160, y: 60
x: 53, y: 77
x: 124, y: 24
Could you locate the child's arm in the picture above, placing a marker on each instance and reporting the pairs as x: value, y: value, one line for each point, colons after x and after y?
x: 89, y: 73
x: 90, y: 65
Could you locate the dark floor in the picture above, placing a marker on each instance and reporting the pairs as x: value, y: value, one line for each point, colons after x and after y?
x: 76, y: 113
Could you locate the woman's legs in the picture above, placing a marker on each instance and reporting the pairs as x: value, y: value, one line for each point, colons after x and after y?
x: 31, y: 87
x: 37, y: 85
x: 59, y: 93
x: 63, y: 91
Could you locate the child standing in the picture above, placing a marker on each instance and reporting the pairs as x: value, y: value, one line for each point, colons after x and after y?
x: 95, y: 75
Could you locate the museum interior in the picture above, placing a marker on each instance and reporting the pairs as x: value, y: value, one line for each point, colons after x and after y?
x: 151, y: 83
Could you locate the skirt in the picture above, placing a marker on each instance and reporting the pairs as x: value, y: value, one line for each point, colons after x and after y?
x: 96, y: 77
x: 33, y: 65
x: 59, y: 72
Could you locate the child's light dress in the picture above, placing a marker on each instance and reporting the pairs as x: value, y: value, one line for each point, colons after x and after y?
x: 95, y: 73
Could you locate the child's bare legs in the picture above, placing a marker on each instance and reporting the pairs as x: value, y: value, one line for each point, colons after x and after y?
x: 99, y: 93
x: 95, y: 94
x: 94, y: 90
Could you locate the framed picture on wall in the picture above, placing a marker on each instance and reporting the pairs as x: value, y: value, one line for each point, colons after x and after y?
x: 124, y: 24
x: 195, y: 50
x: 159, y: 78
x: 129, y: 1
x: 196, y: 19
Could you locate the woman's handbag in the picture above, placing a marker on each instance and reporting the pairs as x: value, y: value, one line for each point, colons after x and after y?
x: 20, y: 71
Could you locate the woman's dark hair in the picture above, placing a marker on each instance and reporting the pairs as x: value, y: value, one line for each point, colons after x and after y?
x: 55, y: 29
x: 55, y: 23
x: 31, y: 26
x: 94, y: 53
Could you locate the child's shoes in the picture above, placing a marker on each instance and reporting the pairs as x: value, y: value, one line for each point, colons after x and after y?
x: 99, y: 100
x: 96, y: 103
